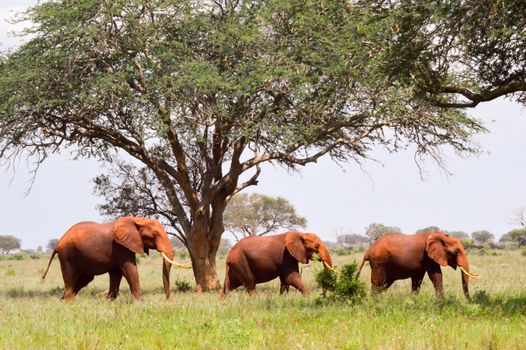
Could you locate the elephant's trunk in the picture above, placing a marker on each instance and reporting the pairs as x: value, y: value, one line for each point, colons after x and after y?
x: 325, y: 256
x: 462, y: 262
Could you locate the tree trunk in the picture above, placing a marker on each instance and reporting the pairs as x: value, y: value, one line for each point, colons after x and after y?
x: 203, y: 248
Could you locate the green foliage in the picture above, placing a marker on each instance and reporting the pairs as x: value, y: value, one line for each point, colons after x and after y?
x: 341, y: 285
x: 513, y: 235
x: 376, y: 230
x: 341, y: 251
x: 482, y: 236
x: 182, y: 286
x: 257, y: 214
x: 8, y: 243
x: 523, y: 252
x: 51, y: 244
x: 428, y: 229
x: 461, y: 235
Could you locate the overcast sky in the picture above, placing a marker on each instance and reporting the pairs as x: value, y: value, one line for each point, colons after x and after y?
x: 484, y: 192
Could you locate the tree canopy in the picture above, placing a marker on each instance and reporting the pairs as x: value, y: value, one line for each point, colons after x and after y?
x: 8, y: 243
x: 376, y: 230
x: 458, y: 234
x: 482, y: 236
x: 428, y: 229
x: 513, y: 235
x: 186, y: 99
x: 257, y: 215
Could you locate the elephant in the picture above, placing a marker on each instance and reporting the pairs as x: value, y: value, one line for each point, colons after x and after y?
x: 89, y: 248
x: 396, y: 256
x: 260, y: 259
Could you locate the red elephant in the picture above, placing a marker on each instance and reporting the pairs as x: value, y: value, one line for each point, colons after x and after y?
x: 256, y: 260
x: 396, y: 256
x: 89, y: 248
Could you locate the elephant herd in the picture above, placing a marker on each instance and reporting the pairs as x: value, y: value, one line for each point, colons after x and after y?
x: 88, y: 249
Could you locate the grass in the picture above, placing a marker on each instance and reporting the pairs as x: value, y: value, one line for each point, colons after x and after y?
x: 32, y: 315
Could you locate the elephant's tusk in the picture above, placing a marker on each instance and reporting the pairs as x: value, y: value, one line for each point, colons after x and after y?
x: 468, y: 273
x: 327, y: 266
x: 184, y: 266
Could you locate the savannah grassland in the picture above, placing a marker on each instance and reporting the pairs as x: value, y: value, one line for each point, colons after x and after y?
x: 32, y: 316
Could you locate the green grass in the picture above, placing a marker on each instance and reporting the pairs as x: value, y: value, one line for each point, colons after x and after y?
x: 32, y: 316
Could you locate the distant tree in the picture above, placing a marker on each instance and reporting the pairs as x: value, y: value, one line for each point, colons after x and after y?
x: 513, y: 235
x: 257, y: 214
x: 39, y: 249
x: 51, y: 244
x: 8, y: 243
x: 355, y: 239
x: 376, y: 230
x: 428, y: 229
x: 482, y: 236
x: 458, y: 234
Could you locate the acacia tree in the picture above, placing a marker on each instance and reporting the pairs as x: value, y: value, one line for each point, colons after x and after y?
x: 257, y: 215
x: 376, y: 230
x: 8, y: 243
x: 190, y: 97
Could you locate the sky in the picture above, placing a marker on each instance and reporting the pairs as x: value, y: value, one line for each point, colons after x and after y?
x: 483, y: 192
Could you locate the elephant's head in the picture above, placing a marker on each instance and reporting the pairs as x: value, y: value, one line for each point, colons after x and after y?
x: 303, y: 245
x: 448, y: 251
x: 140, y: 235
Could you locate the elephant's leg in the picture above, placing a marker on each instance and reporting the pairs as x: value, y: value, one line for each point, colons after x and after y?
x: 378, y: 278
x: 416, y: 282
x: 294, y: 279
x: 131, y: 274
x: 82, y: 282
x: 284, y: 286
x: 115, y: 282
x: 435, y: 275
x: 70, y: 276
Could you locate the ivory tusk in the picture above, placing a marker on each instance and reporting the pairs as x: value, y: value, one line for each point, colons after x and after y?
x: 468, y: 273
x: 184, y: 266
x: 328, y: 266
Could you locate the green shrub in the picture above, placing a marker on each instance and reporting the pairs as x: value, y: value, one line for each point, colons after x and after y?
x: 11, y: 273
x: 523, y: 253
x: 182, y: 286
x: 341, y: 285
x: 17, y: 256
x: 342, y: 251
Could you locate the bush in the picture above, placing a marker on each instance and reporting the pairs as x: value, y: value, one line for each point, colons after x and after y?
x: 182, y: 286
x: 342, y: 251
x: 17, y: 256
x: 341, y: 285
x: 523, y: 253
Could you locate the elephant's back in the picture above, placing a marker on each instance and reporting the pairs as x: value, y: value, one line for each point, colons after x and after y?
x: 84, y: 233
x: 256, y: 248
x: 396, y: 247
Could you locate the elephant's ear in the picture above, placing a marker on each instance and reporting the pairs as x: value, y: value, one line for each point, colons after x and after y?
x: 295, y: 246
x: 126, y: 233
x: 436, y: 249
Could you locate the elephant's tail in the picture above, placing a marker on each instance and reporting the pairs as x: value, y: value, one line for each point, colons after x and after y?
x: 49, y: 264
x: 365, y: 258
